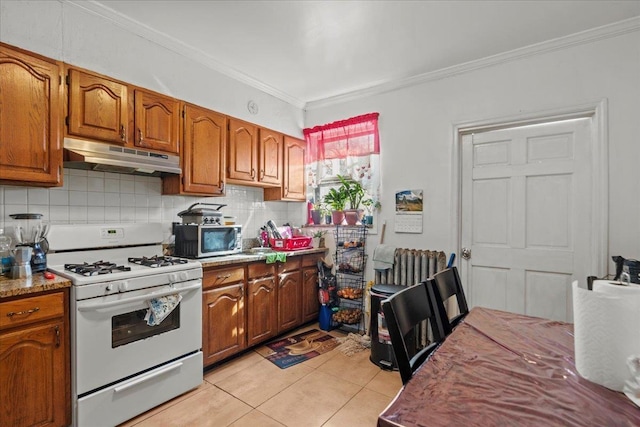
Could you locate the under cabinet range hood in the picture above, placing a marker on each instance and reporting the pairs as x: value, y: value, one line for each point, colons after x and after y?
x: 90, y: 155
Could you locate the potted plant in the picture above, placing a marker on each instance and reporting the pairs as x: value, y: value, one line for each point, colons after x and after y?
x: 354, y: 193
x: 316, y: 214
x: 318, y: 238
x: 336, y: 199
x: 326, y: 212
x: 369, y: 206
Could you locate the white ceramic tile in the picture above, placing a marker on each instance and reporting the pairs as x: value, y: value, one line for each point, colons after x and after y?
x: 112, y: 185
x: 59, y: 214
x: 41, y: 209
x: 14, y: 209
x: 95, y: 214
x: 95, y: 184
x: 141, y: 215
x: 38, y: 196
x: 128, y: 200
x: 141, y: 187
x: 127, y: 186
x: 58, y: 197
x: 77, y: 172
x: 112, y: 199
x: 169, y: 215
x: 167, y: 201
x: 15, y: 195
x: 127, y: 214
x: 141, y: 201
x: 154, y: 201
x: 95, y: 174
x: 78, y: 183
x: 127, y: 177
x: 77, y: 214
x: 154, y: 214
x: 155, y: 186
x: 112, y: 213
x: 95, y: 198
x: 77, y: 198
x: 109, y: 175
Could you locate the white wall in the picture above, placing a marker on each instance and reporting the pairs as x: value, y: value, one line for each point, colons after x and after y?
x: 416, y: 129
x: 68, y: 33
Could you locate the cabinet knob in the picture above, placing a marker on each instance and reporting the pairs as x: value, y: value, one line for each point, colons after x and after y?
x: 140, y: 135
x: 253, y: 173
x: 122, y: 132
x: 261, y: 173
x: 57, y: 332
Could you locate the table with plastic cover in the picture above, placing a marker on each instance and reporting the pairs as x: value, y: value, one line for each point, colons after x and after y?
x: 505, y: 369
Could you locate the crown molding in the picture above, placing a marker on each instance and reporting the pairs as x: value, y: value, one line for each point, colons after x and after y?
x: 587, y: 36
x: 176, y: 46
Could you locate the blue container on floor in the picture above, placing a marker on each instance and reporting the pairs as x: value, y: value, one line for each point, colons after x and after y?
x: 325, y: 317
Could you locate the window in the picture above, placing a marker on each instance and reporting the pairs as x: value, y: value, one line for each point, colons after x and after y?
x: 349, y: 148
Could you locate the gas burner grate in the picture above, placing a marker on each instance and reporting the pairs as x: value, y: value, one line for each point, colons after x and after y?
x: 157, y: 261
x: 95, y: 268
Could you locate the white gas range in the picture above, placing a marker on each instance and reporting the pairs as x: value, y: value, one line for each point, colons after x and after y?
x: 124, y: 362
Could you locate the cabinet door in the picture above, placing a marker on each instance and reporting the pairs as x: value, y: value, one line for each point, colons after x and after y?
x: 310, y: 303
x: 157, y: 119
x: 293, y: 186
x: 34, y: 376
x: 205, y: 135
x: 242, y: 149
x: 223, y: 322
x: 270, y: 152
x: 289, y: 300
x: 98, y: 107
x: 262, y: 315
x: 30, y: 118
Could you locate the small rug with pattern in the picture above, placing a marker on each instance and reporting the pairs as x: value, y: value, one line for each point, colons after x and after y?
x: 289, y: 351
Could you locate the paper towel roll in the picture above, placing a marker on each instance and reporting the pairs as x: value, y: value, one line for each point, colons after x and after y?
x: 606, y: 331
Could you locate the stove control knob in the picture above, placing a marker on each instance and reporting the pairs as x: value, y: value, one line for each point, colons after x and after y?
x: 109, y: 287
x: 173, y: 278
x: 183, y: 276
x: 123, y: 286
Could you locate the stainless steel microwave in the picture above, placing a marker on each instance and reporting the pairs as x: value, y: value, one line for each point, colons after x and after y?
x: 202, y: 241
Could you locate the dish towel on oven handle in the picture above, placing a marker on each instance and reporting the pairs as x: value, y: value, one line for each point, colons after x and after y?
x: 160, y: 308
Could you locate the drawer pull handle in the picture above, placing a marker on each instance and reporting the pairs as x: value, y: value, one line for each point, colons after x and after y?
x: 20, y: 313
x: 122, y: 134
x: 226, y: 276
x: 57, y: 336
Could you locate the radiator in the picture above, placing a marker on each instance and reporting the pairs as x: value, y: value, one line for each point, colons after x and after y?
x: 413, y: 266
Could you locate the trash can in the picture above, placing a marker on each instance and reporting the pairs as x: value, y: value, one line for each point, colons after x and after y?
x: 381, y: 348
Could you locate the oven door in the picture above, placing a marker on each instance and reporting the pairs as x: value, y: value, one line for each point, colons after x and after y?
x: 113, y: 341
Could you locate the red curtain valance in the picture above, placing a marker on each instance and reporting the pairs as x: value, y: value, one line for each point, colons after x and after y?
x: 357, y: 136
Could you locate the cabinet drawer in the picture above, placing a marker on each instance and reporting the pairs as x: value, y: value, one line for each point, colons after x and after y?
x: 223, y: 276
x: 260, y: 269
x: 311, y: 260
x: 31, y: 309
x: 290, y: 265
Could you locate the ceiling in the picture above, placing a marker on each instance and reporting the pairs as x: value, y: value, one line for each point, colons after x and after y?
x: 305, y: 51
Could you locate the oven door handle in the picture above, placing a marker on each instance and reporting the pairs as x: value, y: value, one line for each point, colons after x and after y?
x: 98, y: 306
x: 147, y: 377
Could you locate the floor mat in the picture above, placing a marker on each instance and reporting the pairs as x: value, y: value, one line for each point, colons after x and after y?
x: 295, y: 349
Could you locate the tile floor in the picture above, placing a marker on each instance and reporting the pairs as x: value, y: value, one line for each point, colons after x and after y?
x: 329, y: 390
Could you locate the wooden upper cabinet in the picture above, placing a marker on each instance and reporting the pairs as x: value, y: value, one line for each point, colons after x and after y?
x: 203, y: 154
x: 157, y: 122
x: 242, y: 152
x: 31, y: 96
x: 293, y: 184
x: 270, y: 153
x: 98, y: 107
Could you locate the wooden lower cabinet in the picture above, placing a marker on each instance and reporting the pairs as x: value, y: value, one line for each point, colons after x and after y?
x: 223, y: 314
x: 310, y: 302
x: 251, y: 303
x: 35, y: 361
x: 262, y: 302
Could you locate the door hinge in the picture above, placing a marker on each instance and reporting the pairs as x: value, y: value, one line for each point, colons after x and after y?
x: 66, y: 120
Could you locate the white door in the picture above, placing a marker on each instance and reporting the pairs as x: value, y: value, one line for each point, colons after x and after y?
x: 526, y: 199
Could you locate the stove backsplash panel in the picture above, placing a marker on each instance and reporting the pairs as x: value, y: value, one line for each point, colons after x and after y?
x: 99, y: 197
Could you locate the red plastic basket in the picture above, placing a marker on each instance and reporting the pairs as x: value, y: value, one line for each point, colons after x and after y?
x: 291, y: 243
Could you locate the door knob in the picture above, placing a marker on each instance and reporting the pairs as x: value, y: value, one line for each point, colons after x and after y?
x: 466, y: 253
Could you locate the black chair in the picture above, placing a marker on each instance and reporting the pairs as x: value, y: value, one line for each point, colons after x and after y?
x: 403, y: 311
x: 445, y: 285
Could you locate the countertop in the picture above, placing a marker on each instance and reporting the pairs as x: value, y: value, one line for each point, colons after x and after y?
x: 37, y: 283
x: 225, y: 260
x: 34, y: 284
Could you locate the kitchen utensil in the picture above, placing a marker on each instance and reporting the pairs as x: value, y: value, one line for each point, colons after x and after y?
x: 21, y: 268
x: 201, y: 215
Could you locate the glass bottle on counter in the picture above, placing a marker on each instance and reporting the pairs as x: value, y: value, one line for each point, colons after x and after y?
x: 5, y: 253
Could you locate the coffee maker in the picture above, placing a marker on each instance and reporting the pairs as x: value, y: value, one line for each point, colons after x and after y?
x: 31, y: 231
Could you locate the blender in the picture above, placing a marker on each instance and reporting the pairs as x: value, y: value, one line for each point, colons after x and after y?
x: 31, y: 231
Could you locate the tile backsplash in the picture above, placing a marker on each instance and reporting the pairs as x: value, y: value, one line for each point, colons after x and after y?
x: 100, y: 197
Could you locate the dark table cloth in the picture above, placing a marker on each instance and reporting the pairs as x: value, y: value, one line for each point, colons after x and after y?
x: 505, y: 369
